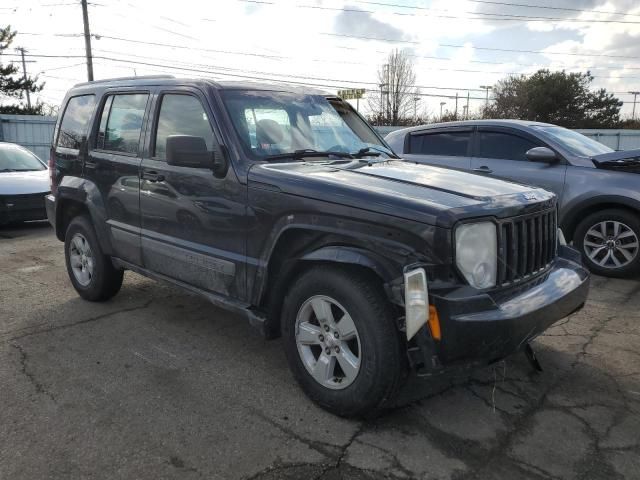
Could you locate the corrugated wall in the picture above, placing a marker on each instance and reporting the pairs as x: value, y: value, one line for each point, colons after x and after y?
x: 31, y: 131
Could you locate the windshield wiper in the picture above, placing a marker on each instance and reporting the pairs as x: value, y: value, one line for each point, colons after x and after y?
x: 308, y: 152
x: 367, y: 152
x: 7, y: 170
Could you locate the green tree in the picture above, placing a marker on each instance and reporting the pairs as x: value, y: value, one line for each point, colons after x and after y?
x: 13, y: 84
x: 555, y: 97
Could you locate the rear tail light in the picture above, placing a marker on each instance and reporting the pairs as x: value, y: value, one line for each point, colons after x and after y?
x: 52, y: 173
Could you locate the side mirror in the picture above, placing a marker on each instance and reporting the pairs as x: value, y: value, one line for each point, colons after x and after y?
x: 191, y: 151
x: 542, y: 155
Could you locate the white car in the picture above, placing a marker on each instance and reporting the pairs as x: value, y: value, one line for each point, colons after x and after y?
x: 24, y: 181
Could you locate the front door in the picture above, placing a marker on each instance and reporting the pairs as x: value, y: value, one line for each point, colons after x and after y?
x: 501, y: 153
x: 193, y: 227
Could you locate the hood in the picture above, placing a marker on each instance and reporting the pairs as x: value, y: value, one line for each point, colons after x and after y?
x: 625, y: 161
x: 432, y: 195
x: 22, y: 183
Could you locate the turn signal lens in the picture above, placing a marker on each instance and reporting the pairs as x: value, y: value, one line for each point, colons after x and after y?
x: 434, y: 323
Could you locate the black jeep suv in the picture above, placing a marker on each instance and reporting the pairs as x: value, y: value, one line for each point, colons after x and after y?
x: 285, y: 205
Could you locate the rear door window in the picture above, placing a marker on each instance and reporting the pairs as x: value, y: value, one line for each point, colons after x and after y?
x: 452, y: 144
x: 75, y: 121
x: 121, y: 122
x: 503, y: 145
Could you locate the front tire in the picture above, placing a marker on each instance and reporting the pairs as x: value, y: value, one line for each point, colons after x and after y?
x: 91, y: 272
x: 341, y: 341
x: 609, y: 241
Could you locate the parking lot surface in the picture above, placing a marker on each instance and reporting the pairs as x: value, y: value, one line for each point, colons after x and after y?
x: 158, y: 383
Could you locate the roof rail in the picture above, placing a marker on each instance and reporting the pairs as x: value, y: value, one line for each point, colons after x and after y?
x: 118, y: 79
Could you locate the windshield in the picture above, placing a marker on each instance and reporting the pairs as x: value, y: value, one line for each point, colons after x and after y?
x: 16, y: 159
x: 575, y: 142
x: 279, y: 123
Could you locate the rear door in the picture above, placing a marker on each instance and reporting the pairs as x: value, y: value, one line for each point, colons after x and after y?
x: 193, y: 223
x: 113, y: 165
x: 450, y: 147
x: 501, y: 152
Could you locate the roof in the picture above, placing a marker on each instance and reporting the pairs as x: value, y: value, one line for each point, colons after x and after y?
x: 465, y: 123
x: 220, y: 85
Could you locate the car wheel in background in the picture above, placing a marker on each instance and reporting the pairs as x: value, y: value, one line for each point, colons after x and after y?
x: 610, y: 242
x: 91, y: 272
x: 341, y: 341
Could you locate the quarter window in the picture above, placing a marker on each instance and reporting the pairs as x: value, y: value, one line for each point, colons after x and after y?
x: 75, y: 121
x: 181, y: 115
x: 121, y: 122
x: 452, y: 144
x: 503, y: 146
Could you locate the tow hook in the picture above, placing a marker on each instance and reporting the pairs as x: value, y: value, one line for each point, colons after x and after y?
x: 531, y: 356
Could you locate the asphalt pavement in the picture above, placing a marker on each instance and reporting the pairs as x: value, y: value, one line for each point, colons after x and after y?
x: 158, y: 383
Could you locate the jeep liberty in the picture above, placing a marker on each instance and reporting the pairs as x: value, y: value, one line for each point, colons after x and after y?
x: 282, y: 204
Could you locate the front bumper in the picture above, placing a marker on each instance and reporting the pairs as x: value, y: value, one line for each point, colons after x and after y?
x: 50, y: 207
x: 483, y: 328
x: 22, y: 208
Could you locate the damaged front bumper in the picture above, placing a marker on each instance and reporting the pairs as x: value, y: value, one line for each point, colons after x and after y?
x: 481, y: 328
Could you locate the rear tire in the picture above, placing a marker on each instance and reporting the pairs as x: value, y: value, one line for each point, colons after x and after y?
x: 609, y: 241
x: 376, y: 347
x: 91, y: 272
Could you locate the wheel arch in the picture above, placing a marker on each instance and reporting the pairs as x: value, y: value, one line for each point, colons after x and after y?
x: 300, y: 248
x: 78, y: 196
x: 570, y: 221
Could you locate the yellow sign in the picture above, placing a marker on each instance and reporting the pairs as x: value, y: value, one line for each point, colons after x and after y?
x: 351, y: 94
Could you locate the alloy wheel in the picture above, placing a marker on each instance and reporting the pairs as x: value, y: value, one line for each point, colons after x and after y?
x: 328, y: 342
x: 81, y: 259
x: 611, y: 244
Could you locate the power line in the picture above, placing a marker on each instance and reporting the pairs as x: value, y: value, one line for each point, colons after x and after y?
x: 547, y: 7
x: 448, y: 45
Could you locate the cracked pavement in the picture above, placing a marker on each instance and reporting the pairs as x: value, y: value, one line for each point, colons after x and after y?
x: 158, y: 383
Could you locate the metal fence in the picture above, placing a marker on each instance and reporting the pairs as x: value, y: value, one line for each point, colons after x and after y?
x: 31, y: 131
x: 35, y: 133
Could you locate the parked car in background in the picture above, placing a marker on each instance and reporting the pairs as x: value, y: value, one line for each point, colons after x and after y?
x: 283, y: 205
x: 24, y: 181
x: 598, y: 189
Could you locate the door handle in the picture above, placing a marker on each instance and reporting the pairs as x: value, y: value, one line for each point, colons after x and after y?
x: 152, y: 176
x: 483, y: 169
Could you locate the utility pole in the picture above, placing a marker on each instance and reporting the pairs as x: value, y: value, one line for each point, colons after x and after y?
x: 24, y: 76
x: 487, y: 88
x: 416, y: 99
x: 87, y: 40
x: 467, y: 106
x: 633, y: 115
x: 456, y: 114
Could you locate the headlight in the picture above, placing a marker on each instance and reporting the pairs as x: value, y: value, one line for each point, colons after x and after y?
x: 476, y: 253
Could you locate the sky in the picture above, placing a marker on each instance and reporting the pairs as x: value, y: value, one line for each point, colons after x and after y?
x: 456, y: 45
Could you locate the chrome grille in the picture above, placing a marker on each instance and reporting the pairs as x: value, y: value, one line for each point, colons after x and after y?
x: 526, y: 246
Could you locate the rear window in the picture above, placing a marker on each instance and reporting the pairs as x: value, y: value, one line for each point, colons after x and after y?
x: 452, y: 144
x: 75, y: 121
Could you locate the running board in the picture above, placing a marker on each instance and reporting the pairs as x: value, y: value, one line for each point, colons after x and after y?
x: 256, y: 319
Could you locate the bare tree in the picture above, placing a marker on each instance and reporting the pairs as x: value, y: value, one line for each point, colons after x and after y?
x: 396, y: 81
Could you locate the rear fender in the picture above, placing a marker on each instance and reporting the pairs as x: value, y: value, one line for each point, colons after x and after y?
x: 76, y: 190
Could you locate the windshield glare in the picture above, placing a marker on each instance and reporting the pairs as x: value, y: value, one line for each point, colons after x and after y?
x: 275, y: 123
x: 16, y: 159
x: 575, y: 142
